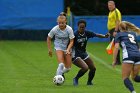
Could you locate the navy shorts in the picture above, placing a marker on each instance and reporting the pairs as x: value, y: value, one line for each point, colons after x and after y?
x: 79, y: 54
x: 132, y: 60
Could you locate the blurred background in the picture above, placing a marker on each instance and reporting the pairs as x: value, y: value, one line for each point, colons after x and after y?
x: 33, y: 19
x: 99, y: 7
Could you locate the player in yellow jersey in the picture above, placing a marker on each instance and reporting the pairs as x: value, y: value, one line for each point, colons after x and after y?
x: 114, y: 18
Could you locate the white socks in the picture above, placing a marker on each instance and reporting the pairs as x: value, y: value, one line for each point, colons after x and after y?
x: 65, y: 70
x: 60, y: 69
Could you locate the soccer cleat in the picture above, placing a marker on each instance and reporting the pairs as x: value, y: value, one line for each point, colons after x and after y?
x: 89, y: 83
x: 133, y: 91
x: 75, y: 81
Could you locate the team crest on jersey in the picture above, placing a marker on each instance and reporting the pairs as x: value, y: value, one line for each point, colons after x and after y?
x: 82, y: 40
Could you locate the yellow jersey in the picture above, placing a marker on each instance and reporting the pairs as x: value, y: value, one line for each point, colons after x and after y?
x: 112, y: 18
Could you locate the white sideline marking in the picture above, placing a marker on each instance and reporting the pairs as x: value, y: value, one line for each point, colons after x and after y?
x: 104, y: 63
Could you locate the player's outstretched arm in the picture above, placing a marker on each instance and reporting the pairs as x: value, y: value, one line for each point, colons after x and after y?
x: 103, y: 36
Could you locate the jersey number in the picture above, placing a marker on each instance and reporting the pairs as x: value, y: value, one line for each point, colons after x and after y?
x: 82, y: 44
x: 131, y: 38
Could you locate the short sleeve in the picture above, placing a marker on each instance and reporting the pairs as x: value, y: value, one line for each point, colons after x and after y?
x: 117, y: 15
x: 51, y: 33
x: 71, y: 34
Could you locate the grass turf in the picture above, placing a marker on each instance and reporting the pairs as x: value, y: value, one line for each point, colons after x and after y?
x: 26, y: 68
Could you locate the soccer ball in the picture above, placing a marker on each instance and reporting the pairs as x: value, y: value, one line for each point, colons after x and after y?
x: 58, y: 80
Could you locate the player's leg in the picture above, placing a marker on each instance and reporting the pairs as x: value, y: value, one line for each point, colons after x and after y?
x: 84, y: 68
x: 60, y: 60
x: 135, y: 75
x: 111, y: 34
x: 126, y: 71
x: 92, y: 70
x: 135, y: 72
x: 118, y: 62
x: 67, y: 63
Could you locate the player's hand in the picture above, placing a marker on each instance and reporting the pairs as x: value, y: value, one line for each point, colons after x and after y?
x: 113, y: 64
x: 107, y: 35
x: 115, y: 33
x: 68, y: 52
x: 50, y: 53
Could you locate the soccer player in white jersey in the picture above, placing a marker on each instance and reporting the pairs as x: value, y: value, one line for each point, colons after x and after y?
x: 63, y: 43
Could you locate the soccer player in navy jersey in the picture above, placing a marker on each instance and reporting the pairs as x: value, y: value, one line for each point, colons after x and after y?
x: 80, y: 57
x: 131, y: 54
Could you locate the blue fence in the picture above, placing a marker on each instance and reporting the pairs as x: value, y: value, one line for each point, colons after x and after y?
x: 98, y: 24
x: 41, y: 15
x: 29, y: 14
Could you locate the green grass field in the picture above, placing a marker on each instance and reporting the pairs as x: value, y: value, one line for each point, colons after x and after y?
x: 26, y: 68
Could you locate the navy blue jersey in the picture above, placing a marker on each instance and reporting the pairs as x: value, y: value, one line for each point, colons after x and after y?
x: 80, y: 41
x: 128, y: 43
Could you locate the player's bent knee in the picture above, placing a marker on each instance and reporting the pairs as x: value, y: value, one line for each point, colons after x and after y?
x: 93, y: 69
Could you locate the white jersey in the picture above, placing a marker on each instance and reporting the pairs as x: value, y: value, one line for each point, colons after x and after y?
x: 61, y: 37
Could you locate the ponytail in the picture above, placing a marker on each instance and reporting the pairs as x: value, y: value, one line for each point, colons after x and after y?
x: 132, y: 27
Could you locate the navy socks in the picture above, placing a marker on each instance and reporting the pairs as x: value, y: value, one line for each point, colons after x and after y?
x: 128, y: 84
x: 91, y: 75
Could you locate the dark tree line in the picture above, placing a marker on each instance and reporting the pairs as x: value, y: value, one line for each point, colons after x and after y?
x: 99, y: 7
